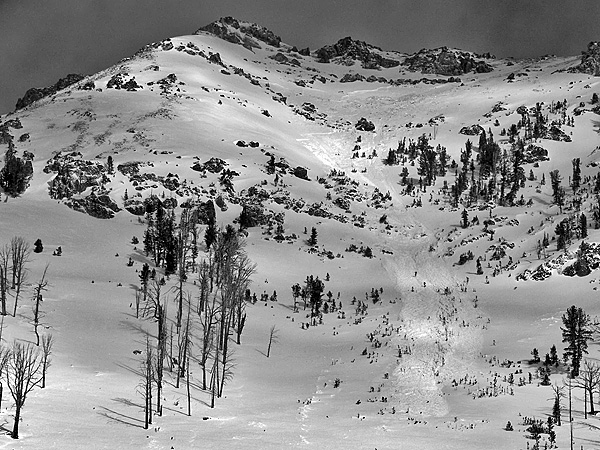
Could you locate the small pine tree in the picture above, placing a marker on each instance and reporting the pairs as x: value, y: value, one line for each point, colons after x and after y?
x: 37, y: 246
x: 594, y: 98
x: 583, y: 225
x: 465, y: 218
x: 509, y: 426
x: 554, y: 355
x: 110, y: 164
x: 536, y: 355
x: 479, y: 268
x: 210, y: 235
x: 551, y: 432
x: 312, y: 240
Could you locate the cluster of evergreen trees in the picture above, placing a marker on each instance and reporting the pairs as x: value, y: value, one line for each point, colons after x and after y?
x: 16, y: 173
x: 311, y: 294
x: 169, y: 243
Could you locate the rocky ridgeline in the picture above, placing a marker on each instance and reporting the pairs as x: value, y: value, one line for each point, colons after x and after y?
x: 443, y: 61
x: 590, y: 60
x: 353, y: 77
x: 35, y: 94
x: 347, y: 50
x: 243, y: 33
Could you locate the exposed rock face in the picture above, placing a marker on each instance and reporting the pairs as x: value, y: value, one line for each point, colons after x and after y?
x: 74, y: 175
x: 473, y: 130
x: 352, y: 77
x: 348, y: 48
x: 98, y: 206
x: 556, y: 134
x: 535, y: 153
x: 364, y: 125
x: 590, y: 60
x: 243, y: 33
x: 35, y: 94
x: 301, y: 172
x: 206, y: 213
x: 213, y: 165
x: 135, y: 206
x: 443, y: 61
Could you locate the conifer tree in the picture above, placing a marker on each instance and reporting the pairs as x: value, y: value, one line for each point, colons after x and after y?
x: 583, y: 226
x: 576, y: 332
x: 312, y: 240
x: 16, y: 173
x: 576, y: 179
x: 558, y: 192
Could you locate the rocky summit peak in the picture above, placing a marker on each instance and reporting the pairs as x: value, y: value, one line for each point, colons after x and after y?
x: 348, y: 50
x: 240, y: 32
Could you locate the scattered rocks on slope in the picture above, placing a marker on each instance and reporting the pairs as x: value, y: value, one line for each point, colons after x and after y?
x: 213, y: 165
x: 34, y: 94
x: 118, y: 81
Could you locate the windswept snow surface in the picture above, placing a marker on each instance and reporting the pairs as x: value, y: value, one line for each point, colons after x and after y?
x: 426, y: 367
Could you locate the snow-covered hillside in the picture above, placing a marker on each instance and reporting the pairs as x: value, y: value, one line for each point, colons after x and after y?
x: 420, y: 347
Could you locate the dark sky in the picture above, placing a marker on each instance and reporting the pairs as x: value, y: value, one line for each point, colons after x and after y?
x: 43, y: 40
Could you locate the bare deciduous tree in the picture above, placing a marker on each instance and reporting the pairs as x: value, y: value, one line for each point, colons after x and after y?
x: 22, y: 376
x: 161, y: 346
x: 4, y: 285
x: 40, y: 287
x: 20, y: 252
x: 589, y: 380
x: 273, y: 339
x: 183, y: 344
x: 145, y: 386
x: 47, y: 343
x: 4, y: 358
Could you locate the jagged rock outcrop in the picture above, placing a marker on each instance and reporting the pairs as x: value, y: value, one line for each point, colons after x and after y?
x: 590, y: 60
x: 243, y: 33
x: 473, y: 130
x: 35, y: 94
x: 444, y: 61
x: 352, y: 77
x: 349, y: 49
x: 98, y: 206
x: 364, y: 125
x: 535, y: 153
x: 74, y: 175
x: 135, y: 206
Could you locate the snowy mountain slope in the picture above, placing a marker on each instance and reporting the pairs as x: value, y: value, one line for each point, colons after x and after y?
x: 430, y: 356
